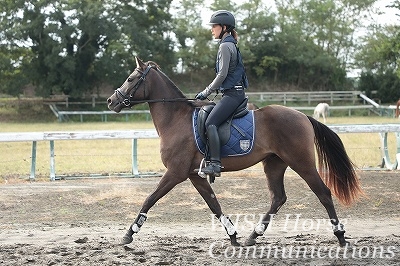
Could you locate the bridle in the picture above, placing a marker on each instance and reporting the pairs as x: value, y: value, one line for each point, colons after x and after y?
x: 128, y: 100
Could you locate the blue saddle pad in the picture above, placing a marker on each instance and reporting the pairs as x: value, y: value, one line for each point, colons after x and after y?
x: 239, y: 143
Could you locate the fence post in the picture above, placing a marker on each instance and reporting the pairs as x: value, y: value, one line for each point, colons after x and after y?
x: 33, y: 164
x: 135, y: 171
x: 398, y: 150
x: 52, y: 162
x: 385, y: 154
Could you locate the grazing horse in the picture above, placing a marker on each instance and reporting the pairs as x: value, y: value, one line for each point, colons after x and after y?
x: 283, y: 138
x: 397, y: 109
x: 322, y: 109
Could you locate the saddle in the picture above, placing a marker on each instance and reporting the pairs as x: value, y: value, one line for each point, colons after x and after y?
x: 224, y: 131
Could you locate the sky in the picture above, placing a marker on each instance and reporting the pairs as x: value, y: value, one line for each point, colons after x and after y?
x: 388, y: 16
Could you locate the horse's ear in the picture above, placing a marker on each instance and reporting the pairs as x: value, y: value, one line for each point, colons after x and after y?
x: 139, y: 63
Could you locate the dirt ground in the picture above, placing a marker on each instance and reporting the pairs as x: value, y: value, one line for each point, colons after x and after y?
x: 81, y: 222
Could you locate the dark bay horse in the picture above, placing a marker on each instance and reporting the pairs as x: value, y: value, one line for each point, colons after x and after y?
x: 284, y: 138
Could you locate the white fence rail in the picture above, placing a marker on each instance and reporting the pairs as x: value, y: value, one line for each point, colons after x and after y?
x: 309, y: 97
x: 382, y: 129
x: 270, y: 96
x: 306, y: 96
x: 349, y: 108
x: 77, y: 135
x: 63, y: 115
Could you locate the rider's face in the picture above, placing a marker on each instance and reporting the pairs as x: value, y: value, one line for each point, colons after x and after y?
x: 216, y: 30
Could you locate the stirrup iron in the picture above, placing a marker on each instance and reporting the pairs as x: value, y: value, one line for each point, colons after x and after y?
x: 200, y: 172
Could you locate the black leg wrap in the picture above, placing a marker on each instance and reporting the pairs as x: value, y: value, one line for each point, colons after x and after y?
x: 134, y: 228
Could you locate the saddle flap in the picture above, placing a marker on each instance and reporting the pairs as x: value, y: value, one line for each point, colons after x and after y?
x: 224, y: 129
x: 239, y: 134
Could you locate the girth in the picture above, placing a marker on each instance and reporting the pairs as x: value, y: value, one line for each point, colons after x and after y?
x: 224, y: 131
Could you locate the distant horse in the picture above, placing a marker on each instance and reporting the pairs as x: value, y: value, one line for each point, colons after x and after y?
x: 252, y: 106
x: 322, y: 109
x: 283, y: 138
x: 397, y: 109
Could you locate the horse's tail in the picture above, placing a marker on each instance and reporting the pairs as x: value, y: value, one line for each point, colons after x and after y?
x: 335, y: 166
x: 397, y: 109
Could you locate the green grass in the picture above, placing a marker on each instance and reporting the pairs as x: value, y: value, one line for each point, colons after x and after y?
x: 365, y: 148
x: 108, y: 157
x: 77, y: 157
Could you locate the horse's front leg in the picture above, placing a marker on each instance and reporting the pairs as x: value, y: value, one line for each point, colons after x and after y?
x: 167, y: 182
x: 207, y: 193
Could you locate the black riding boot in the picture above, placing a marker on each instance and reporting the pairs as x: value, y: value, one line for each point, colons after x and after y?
x: 214, y: 167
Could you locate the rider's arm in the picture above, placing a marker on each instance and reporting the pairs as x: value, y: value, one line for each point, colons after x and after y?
x: 224, y: 57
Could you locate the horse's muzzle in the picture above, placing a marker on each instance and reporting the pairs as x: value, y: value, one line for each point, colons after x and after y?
x: 114, y: 105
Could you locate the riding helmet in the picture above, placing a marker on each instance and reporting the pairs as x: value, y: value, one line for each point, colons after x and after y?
x: 222, y: 17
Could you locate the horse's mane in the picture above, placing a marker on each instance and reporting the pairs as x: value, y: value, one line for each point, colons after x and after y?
x: 167, y: 79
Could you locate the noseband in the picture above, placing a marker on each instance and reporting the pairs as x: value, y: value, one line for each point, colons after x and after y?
x: 127, y: 100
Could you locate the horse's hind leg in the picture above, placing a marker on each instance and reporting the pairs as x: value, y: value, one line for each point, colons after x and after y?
x: 274, y: 169
x: 324, y: 195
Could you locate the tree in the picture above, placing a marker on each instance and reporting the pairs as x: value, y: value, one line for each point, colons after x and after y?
x: 256, y: 30
x: 379, y: 61
x: 313, y: 41
x: 193, y: 52
x: 76, y: 45
x: 12, y: 75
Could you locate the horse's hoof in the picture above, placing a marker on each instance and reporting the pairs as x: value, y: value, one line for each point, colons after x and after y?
x: 345, y: 244
x: 235, y: 243
x: 127, y: 239
x: 250, y: 242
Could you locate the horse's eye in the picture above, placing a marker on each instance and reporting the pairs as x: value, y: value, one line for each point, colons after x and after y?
x: 130, y: 79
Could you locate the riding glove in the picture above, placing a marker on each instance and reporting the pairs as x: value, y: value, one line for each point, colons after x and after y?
x: 203, y: 94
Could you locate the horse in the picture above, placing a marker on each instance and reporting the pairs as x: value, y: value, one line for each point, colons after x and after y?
x: 252, y: 106
x: 322, y: 109
x: 284, y: 138
x: 397, y: 109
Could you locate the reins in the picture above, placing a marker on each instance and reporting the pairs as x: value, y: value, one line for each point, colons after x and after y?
x: 164, y: 100
x: 128, y: 102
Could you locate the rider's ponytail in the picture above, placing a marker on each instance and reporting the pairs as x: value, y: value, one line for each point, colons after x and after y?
x: 234, y: 34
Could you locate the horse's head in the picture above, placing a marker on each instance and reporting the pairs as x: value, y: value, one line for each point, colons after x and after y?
x: 132, y: 90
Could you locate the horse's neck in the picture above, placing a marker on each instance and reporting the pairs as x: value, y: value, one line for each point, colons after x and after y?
x: 169, y: 114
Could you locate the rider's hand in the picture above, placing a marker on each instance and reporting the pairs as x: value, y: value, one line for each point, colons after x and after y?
x: 203, y: 94
x: 200, y: 96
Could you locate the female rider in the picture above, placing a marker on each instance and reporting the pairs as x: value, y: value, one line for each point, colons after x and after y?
x: 230, y: 79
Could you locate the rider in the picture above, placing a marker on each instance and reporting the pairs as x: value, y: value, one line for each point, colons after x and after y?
x: 230, y: 79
